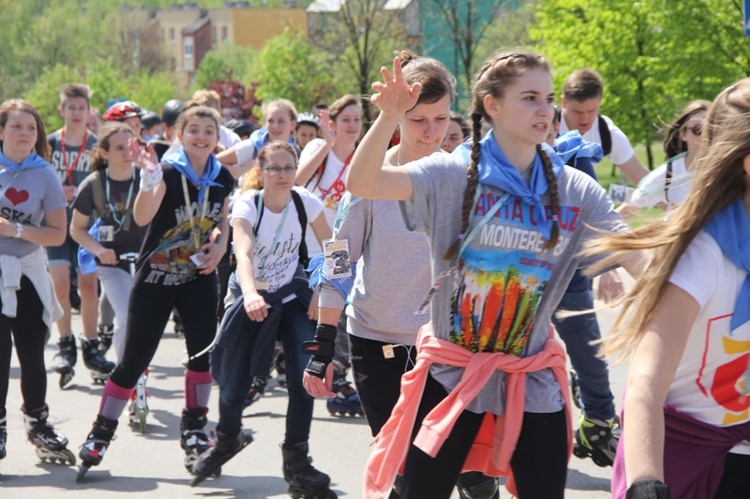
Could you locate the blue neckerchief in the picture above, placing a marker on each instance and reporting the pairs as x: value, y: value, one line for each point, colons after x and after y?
x: 343, y: 285
x: 572, y: 145
x: 180, y: 162
x: 31, y: 161
x: 497, y: 171
x: 731, y: 230
x: 259, y: 138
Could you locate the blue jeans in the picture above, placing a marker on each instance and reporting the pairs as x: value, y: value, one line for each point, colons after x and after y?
x: 593, y: 374
x: 295, y: 328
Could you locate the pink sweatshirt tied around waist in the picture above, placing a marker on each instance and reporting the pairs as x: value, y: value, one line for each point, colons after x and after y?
x: 496, y: 441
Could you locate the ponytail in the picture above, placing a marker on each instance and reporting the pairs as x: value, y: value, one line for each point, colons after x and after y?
x: 554, y: 195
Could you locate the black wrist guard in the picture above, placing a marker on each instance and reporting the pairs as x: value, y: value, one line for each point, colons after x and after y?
x: 648, y: 489
x: 321, y: 349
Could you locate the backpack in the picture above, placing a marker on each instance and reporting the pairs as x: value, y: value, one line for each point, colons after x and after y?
x: 102, y: 208
x: 605, y: 135
x: 301, y: 216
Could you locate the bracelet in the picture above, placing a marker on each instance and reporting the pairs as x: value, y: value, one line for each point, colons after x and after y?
x: 151, y: 175
x: 19, y: 231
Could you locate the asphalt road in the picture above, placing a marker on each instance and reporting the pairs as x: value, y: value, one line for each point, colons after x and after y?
x: 151, y: 464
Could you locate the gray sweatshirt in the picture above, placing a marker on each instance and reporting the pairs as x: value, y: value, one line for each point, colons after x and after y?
x: 393, y: 273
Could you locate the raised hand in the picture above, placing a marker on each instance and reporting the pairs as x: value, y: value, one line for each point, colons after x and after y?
x: 325, y: 131
x: 394, y: 95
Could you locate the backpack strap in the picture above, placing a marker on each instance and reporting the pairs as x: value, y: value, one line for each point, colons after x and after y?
x: 98, y: 191
x: 302, y: 216
x: 259, y: 208
x: 668, y: 174
x: 605, y: 135
x: 318, y: 175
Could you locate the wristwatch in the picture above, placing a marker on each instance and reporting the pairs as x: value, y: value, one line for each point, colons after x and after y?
x: 19, y: 230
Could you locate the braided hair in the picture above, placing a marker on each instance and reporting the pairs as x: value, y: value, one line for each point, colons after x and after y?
x: 495, y: 76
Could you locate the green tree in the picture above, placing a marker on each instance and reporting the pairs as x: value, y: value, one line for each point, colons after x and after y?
x: 227, y: 60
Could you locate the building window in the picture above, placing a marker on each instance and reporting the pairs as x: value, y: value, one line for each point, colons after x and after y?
x: 214, y: 36
x: 224, y: 33
x: 171, y: 35
x: 188, y: 45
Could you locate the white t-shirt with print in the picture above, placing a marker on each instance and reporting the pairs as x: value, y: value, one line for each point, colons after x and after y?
x: 329, y: 188
x: 621, y: 152
x: 709, y: 381
x: 275, y: 266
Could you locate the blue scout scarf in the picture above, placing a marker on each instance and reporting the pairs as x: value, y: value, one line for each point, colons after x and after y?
x: 31, y: 161
x: 731, y: 230
x: 180, y: 162
x: 572, y: 145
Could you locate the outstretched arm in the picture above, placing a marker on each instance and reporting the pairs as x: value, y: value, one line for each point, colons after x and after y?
x: 367, y: 177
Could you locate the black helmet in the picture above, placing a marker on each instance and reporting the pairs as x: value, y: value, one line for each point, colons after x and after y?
x: 150, y: 119
x: 170, y: 111
x: 240, y: 127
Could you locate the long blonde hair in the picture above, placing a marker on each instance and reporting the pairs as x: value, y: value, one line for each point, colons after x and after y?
x: 719, y: 181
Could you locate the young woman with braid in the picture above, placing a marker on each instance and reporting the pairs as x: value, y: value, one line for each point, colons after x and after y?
x: 685, y: 328
x: 488, y: 372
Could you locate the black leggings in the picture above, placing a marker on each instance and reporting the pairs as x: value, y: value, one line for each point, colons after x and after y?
x: 541, y: 451
x: 148, y: 314
x: 30, y: 335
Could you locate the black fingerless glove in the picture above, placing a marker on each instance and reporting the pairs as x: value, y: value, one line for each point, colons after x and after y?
x: 648, y: 489
x: 321, y: 349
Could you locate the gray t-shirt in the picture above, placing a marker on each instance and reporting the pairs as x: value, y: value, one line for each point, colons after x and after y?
x: 509, y: 286
x: 28, y: 194
x: 60, y: 158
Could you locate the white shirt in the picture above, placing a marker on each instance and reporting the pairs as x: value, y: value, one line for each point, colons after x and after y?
x: 621, y: 152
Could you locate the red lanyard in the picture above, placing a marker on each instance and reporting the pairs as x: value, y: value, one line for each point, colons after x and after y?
x: 343, y: 169
x: 69, y: 170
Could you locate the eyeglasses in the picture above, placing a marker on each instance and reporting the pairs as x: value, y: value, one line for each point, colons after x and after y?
x: 275, y: 170
x: 696, y: 130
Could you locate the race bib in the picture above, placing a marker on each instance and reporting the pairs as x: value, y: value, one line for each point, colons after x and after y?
x: 337, y: 263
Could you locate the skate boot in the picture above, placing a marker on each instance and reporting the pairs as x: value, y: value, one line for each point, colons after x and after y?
x: 105, y: 334
x: 305, y: 482
x: 94, y: 360
x: 3, y: 436
x: 475, y: 485
x: 575, y: 389
x: 257, y: 389
x: 224, y: 449
x: 346, y: 402
x: 279, y: 364
x: 65, y: 359
x: 598, y: 440
x: 50, y: 445
x: 193, y: 440
x: 138, y: 412
x: 96, y: 444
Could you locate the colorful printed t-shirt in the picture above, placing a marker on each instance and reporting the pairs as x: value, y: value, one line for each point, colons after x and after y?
x: 508, y: 286
x: 165, y: 255
x: 274, y: 266
x: 59, y: 159
x: 329, y: 187
x: 710, y: 382
x: 28, y: 195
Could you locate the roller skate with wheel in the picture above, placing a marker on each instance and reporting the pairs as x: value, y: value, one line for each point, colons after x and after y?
x: 279, y: 365
x: 3, y: 436
x: 96, y: 444
x: 94, y: 360
x: 138, y: 412
x: 105, y: 333
x: 598, y: 440
x: 475, y: 485
x: 575, y: 389
x: 50, y: 445
x: 193, y: 440
x: 257, y: 389
x: 65, y: 359
x: 225, y: 448
x: 304, y: 481
x: 346, y: 402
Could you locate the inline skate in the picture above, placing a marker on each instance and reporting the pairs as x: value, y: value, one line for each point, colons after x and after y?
x: 65, y: 359
x: 50, y: 445
x: 225, y: 448
x: 138, y: 411
x: 598, y: 440
x: 305, y: 482
x: 94, y: 360
x: 257, y: 389
x: 96, y: 444
x: 3, y: 436
x: 346, y: 402
x: 105, y: 333
x: 193, y: 440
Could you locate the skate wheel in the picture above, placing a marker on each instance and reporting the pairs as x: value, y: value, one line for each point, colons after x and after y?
x: 70, y: 458
x: 580, y: 452
x: 217, y: 473
x: 142, y: 420
x: 81, y: 473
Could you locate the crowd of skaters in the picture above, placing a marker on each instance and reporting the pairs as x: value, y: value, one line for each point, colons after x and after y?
x: 451, y: 244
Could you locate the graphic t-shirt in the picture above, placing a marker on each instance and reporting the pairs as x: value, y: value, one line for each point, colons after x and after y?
x: 329, y: 187
x: 507, y: 285
x: 710, y: 382
x: 78, y: 171
x: 274, y: 265
x: 165, y: 254
x: 118, y: 230
x: 28, y: 195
